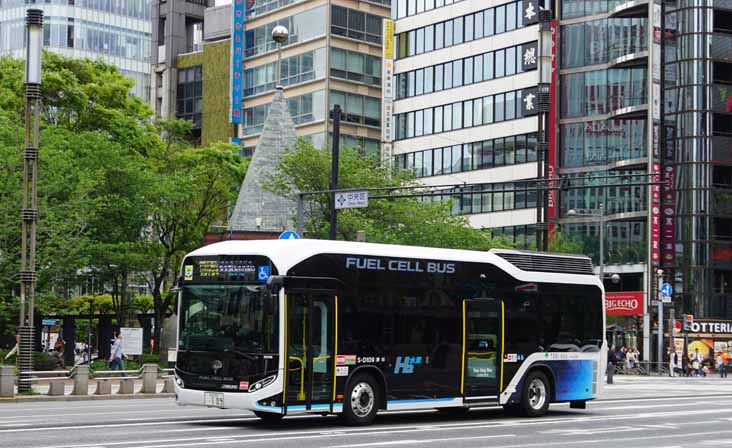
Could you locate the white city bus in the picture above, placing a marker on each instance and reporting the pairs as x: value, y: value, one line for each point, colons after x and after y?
x: 309, y: 326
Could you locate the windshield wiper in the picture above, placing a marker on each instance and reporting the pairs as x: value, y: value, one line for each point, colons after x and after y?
x: 243, y: 354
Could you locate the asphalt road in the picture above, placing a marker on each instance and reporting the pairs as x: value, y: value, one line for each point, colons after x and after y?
x: 666, y: 415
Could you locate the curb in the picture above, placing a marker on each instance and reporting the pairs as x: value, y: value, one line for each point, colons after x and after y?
x: 42, y: 398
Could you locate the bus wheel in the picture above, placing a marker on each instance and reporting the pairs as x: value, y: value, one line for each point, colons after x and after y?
x: 268, y: 417
x: 535, y: 394
x: 362, y: 400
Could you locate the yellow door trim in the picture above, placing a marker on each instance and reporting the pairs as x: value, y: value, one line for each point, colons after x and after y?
x: 286, y: 361
x: 335, y: 344
x: 503, y: 333
x: 462, y: 369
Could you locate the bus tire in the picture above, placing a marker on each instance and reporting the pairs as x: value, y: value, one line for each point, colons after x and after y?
x: 362, y: 400
x: 268, y: 417
x: 535, y: 394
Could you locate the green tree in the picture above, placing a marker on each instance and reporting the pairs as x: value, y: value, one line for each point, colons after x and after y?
x: 193, y: 190
x: 397, y: 221
x: 560, y: 242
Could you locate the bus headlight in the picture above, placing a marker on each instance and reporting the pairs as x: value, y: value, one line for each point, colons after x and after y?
x: 262, y: 383
x: 179, y: 381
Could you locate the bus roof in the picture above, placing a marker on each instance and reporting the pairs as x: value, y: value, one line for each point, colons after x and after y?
x: 523, y: 265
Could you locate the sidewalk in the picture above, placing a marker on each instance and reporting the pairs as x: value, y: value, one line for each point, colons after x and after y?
x: 41, y: 390
x: 628, y: 387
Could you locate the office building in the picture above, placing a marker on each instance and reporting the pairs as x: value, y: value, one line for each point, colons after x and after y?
x: 332, y: 56
x: 116, y: 31
x: 465, y: 106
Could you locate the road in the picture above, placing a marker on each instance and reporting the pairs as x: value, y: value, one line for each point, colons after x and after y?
x: 659, y: 417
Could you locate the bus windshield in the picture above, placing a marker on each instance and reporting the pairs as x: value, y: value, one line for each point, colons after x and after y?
x: 228, y: 318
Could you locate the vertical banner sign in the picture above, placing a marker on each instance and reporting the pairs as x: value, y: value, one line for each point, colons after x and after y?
x: 669, y: 208
x: 552, y: 162
x: 237, y: 60
x: 387, y: 92
x: 655, y: 153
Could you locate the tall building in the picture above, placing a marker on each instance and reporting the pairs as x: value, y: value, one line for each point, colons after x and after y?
x: 465, y: 104
x: 117, y: 32
x: 332, y: 56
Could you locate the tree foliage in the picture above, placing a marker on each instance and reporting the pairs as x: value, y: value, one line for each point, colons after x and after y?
x: 119, y: 195
x: 407, y: 221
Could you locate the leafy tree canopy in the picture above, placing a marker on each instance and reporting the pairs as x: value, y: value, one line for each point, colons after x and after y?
x: 396, y: 221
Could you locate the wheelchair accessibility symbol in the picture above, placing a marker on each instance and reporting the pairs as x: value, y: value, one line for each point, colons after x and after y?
x: 262, y: 273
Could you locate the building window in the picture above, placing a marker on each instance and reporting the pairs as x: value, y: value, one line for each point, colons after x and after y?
x: 490, y: 109
x: 295, y: 70
x: 355, y: 66
x: 303, y: 109
x: 356, y: 108
x: 465, y: 71
x: 459, y: 30
x: 302, y: 26
x: 356, y: 24
x: 190, y: 94
x: 478, y: 155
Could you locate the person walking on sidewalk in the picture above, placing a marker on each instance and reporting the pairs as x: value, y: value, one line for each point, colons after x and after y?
x: 720, y: 366
x: 117, y: 356
x: 612, y: 360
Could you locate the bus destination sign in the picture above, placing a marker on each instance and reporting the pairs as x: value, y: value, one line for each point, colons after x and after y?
x: 226, y: 269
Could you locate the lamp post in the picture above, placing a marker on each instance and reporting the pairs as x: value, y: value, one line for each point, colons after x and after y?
x: 29, y: 212
x: 279, y: 34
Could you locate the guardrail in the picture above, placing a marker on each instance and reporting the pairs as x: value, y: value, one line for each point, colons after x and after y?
x: 82, y: 375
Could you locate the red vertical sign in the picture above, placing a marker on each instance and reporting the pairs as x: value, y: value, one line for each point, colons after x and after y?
x: 656, y: 214
x: 552, y: 156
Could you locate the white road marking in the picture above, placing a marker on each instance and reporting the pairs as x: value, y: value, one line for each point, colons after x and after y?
x: 418, y: 441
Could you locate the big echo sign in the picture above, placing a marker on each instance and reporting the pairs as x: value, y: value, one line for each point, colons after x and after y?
x: 624, y: 303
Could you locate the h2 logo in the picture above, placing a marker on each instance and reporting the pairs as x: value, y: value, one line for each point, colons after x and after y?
x: 405, y: 364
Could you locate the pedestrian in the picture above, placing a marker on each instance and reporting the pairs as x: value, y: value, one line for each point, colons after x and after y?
x: 612, y: 360
x: 59, y: 350
x: 673, y: 359
x: 117, y: 356
x: 697, y: 362
x: 720, y: 366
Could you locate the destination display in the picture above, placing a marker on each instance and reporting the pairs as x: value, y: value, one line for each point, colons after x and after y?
x: 227, y: 269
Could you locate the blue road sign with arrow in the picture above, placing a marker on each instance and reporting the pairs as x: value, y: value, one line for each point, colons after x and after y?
x: 289, y: 235
x: 666, y: 289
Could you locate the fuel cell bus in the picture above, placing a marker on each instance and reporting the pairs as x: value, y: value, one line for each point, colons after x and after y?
x: 329, y: 327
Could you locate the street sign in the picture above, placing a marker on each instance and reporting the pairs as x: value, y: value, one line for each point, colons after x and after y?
x: 666, y: 289
x: 289, y: 235
x: 656, y: 302
x: 665, y: 299
x: 49, y: 322
x: 352, y: 199
x: 131, y: 340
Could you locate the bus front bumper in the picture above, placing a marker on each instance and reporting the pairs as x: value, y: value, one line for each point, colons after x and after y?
x: 227, y: 400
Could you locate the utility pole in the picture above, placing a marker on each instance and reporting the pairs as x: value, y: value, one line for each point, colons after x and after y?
x: 29, y: 212
x: 334, y: 168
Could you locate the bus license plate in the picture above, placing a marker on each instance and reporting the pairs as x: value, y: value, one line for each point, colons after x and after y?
x: 213, y: 399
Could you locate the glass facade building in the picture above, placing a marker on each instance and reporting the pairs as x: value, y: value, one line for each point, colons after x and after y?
x: 464, y: 72
x: 116, y: 31
x: 645, y: 93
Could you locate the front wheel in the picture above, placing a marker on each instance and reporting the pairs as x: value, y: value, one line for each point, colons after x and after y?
x: 535, y: 395
x: 268, y: 417
x: 362, y: 401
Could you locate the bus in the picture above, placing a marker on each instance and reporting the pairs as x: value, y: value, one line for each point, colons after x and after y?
x: 284, y: 327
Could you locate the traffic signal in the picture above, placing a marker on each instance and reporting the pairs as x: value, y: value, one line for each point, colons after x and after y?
x: 688, y: 321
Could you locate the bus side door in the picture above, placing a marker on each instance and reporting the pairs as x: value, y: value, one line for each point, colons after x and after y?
x: 482, y: 349
x: 310, y: 350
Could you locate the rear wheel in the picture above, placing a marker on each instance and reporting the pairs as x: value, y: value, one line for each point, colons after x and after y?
x: 535, y: 394
x: 362, y: 400
x: 268, y: 417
